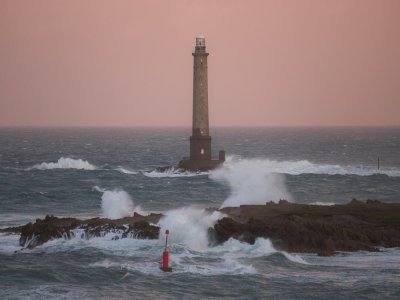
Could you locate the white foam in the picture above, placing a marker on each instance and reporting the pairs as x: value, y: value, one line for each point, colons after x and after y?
x: 323, y: 203
x: 98, y: 189
x: 251, y: 182
x: 188, y: 226
x: 222, y: 266
x: 297, y: 167
x: 256, y: 181
x: 172, y: 172
x: 118, y: 204
x: 65, y: 163
x: 262, y: 247
x: 125, y: 247
x: 125, y: 171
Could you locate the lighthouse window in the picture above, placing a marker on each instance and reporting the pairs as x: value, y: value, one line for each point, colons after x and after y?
x: 202, y: 151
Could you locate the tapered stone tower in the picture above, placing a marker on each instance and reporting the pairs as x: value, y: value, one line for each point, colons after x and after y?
x: 200, y: 141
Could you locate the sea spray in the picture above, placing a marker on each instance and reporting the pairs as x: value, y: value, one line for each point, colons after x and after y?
x: 126, y: 171
x: 298, y: 167
x: 189, y: 226
x: 172, y: 172
x: 98, y: 189
x: 251, y: 182
x: 117, y: 204
x: 64, y: 163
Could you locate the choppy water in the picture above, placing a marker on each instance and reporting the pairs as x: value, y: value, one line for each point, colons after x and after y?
x: 67, y: 172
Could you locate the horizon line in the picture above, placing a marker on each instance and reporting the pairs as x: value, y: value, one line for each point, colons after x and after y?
x: 189, y: 126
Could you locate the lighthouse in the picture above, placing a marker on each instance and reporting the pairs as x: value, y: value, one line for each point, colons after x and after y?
x: 200, y: 141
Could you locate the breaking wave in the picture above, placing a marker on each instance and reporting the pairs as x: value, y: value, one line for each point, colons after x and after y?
x: 323, y: 203
x: 188, y: 244
x: 256, y: 181
x: 98, y: 189
x: 172, y: 172
x: 262, y: 247
x: 188, y: 226
x: 125, y: 171
x: 251, y: 182
x: 80, y: 164
x: 297, y: 167
x: 65, y: 163
x: 118, y: 204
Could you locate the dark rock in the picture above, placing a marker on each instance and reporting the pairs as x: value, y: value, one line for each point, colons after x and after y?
x: 291, y: 227
x: 309, y: 228
x: 369, y: 201
x: 42, y: 231
x: 355, y: 201
x: 163, y: 169
x: 38, y: 233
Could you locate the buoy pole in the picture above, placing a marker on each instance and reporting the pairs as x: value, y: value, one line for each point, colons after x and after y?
x: 378, y: 162
x: 165, y: 263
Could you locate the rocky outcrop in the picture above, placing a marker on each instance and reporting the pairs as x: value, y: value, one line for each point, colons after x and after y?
x: 311, y: 228
x: 49, y: 228
x: 291, y: 227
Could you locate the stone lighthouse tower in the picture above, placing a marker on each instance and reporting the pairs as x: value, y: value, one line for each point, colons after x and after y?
x: 200, y: 141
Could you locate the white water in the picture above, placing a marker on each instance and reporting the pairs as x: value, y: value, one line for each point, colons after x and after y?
x: 98, y: 189
x: 65, y: 163
x: 172, y: 172
x: 126, y: 171
x: 251, y: 182
x: 256, y: 181
x: 188, y: 226
x: 297, y: 167
x: 323, y: 203
x: 118, y: 204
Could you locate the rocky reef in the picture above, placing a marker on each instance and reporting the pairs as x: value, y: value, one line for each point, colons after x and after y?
x: 290, y: 227
x: 313, y: 228
x: 40, y: 232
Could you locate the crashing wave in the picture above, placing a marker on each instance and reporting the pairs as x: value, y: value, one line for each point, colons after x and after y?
x: 297, y: 167
x: 65, y: 163
x: 172, y: 172
x: 125, y: 171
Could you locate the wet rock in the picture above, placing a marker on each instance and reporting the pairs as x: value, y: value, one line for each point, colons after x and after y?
x: 49, y: 228
x: 42, y: 231
x: 310, y: 228
x: 291, y: 227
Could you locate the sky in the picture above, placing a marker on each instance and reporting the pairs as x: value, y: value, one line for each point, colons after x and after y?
x: 129, y: 63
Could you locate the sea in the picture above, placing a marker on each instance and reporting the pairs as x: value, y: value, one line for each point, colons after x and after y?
x: 109, y: 172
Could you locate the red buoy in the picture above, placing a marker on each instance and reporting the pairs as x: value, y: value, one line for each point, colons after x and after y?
x: 165, y: 267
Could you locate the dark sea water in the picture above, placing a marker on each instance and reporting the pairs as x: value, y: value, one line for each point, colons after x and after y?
x: 74, y: 172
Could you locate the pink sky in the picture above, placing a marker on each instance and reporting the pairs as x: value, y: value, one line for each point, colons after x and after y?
x: 129, y: 63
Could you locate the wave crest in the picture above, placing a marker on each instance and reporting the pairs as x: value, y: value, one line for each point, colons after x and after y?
x: 65, y: 163
x: 125, y: 171
x: 298, y: 167
x: 172, y: 172
x: 251, y: 182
